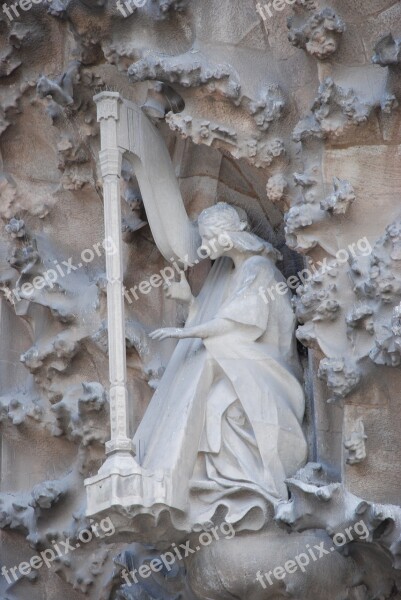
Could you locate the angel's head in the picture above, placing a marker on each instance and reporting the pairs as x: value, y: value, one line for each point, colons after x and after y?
x: 223, y: 227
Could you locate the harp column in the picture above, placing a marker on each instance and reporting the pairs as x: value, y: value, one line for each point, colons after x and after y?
x: 108, y: 114
x: 121, y: 483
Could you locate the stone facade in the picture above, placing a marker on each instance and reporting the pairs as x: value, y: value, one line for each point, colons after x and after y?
x: 176, y: 425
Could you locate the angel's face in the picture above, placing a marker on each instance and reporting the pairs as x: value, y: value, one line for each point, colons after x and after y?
x: 215, y: 242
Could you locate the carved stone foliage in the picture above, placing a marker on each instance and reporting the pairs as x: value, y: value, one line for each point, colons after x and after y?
x: 188, y: 70
x: 387, y: 51
x: 330, y: 506
x: 341, y: 199
x: 319, y: 35
x: 193, y: 70
x: 340, y: 375
x: 372, y: 308
x: 335, y: 112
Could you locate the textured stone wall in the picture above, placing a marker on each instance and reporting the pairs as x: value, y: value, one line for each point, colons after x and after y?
x: 293, y: 117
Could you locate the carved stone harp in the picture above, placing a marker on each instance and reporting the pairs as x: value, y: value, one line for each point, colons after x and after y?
x: 125, y: 130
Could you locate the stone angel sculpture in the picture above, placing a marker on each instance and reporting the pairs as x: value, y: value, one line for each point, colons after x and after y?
x: 225, y: 421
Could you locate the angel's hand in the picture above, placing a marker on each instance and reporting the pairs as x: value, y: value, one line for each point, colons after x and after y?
x: 179, y: 290
x: 166, y: 332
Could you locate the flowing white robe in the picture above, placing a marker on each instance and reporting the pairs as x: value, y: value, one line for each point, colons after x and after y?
x: 224, y: 427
